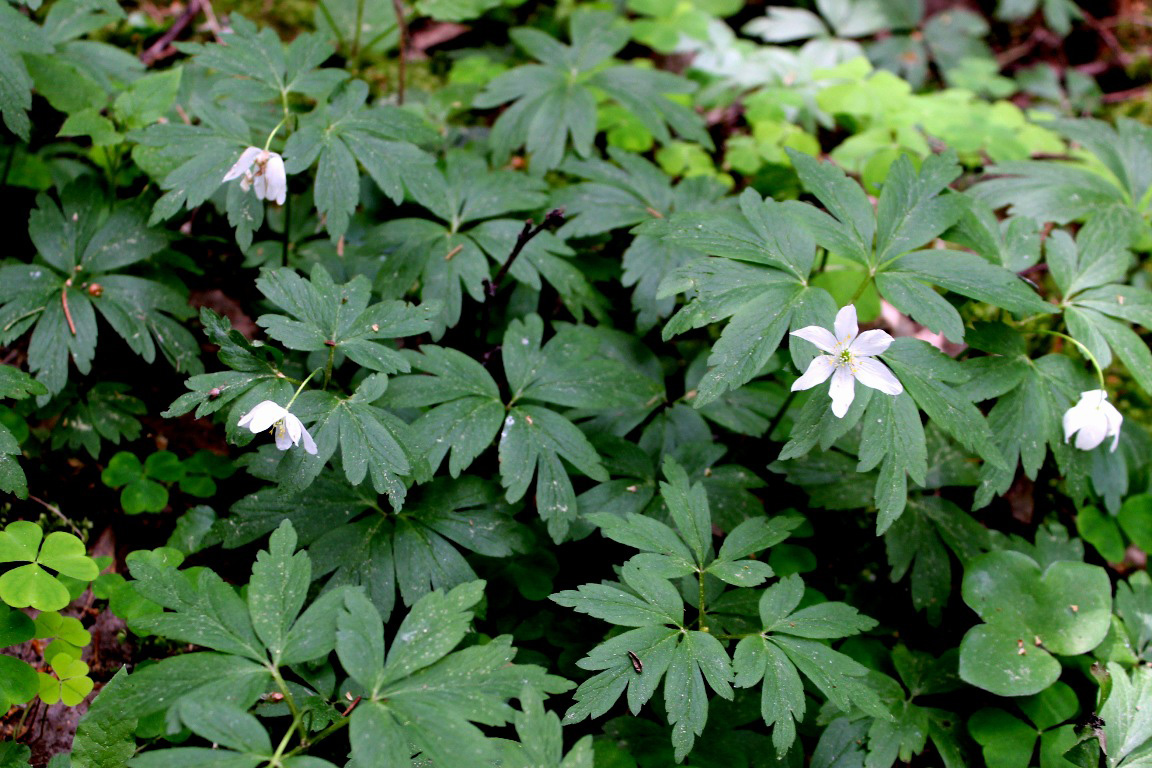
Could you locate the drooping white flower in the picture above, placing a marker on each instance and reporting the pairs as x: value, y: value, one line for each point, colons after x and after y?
x: 263, y: 170
x: 287, y: 427
x: 1092, y: 420
x: 849, y: 359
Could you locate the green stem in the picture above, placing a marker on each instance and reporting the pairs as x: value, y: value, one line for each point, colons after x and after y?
x: 300, y: 389
x: 276, y: 130
x: 1087, y: 353
x: 8, y: 165
x: 336, y: 726
x: 20, y: 725
x: 297, y: 720
x: 332, y: 23
x: 700, y: 619
x: 328, y: 366
x: 863, y: 286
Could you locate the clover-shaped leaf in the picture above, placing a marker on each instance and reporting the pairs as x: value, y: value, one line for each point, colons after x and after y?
x: 67, y: 633
x: 15, y: 627
x: 31, y: 585
x: 18, y: 682
x: 71, y: 683
x: 1030, y: 614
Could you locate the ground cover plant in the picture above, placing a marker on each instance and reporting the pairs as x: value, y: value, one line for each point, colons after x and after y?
x: 469, y: 383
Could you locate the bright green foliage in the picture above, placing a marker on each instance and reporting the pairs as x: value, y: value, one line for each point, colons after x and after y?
x: 557, y: 98
x: 411, y: 553
x: 663, y: 22
x: 324, y: 317
x: 145, y: 485
x: 785, y: 646
x: 1031, y: 613
x: 341, y: 137
x: 30, y: 584
x: 416, y: 693
x: 83, y: 249
x: 69, y: 681
x: 449, y: 257
x: 67, y: 634
x: 627, y: 194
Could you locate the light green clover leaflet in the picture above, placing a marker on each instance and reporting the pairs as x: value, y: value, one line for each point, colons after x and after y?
x: 73, y: 683
x: 31, y: 585
x: 1030, y: 614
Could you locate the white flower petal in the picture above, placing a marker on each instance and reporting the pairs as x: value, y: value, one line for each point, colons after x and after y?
x: 873, y: 373
x: 821, y: 337
x: 283, y: 439
x: 276, y: 182
x: 1091, y: 434
x: 842, y: 391
x: 243, y: 164
x: 871, y: 343
x: 845, y: 326
x: 309, y: 443
x: 294, y: 427
x: 818, y: 372
x: 263, y: 416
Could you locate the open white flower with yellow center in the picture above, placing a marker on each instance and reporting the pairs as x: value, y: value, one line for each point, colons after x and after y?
x: 1092, y: 420
x: 849, y: 359
x: 262, y: 170
x: 285, y: 425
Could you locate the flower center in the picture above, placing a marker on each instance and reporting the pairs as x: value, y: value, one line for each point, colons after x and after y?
x: 844, y: 358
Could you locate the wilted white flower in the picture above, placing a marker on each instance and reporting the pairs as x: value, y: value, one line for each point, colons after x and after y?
x: 288, y: 428
x: 849, y: 358
x: 1092, y: 420
x: 263, y: 170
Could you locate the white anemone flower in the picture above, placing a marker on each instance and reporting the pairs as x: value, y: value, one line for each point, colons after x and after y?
x: 849, y: 359
x: 263, y: 170
x: 1092, y: 420
x: 287, y: 427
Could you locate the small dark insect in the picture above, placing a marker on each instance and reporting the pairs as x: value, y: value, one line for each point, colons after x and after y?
x: 636, y: 663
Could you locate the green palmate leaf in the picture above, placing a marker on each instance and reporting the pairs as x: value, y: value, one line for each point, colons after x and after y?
x: 417, y: 552
x: 761, y: 304
x: 927, y: 375
x: 893, y: 440
x: 421, y: 692
x: 779, y: 654
x: 374, y: 444
x: 557, y: 98
x: 107, y: 412
x: 1116, y: 176
x: 1030, y: 613
x: 632, y: 193
x: 325, y: 317
x: 270, y: 70
x: 1127, y: 733
x: 23, y: 36
x: 194, y: 158
x: 541, y: 744
x: 1025, y: 420
x: 918, y: 543
x: 448, y: 257
x: 17, y: 385
x: 662, y: 646
x: 104, y: 735
x: 82, y: 248
x: 205, y: 611
x: 254, y: 377
x: 342, y: 136
x: 467, y: 411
